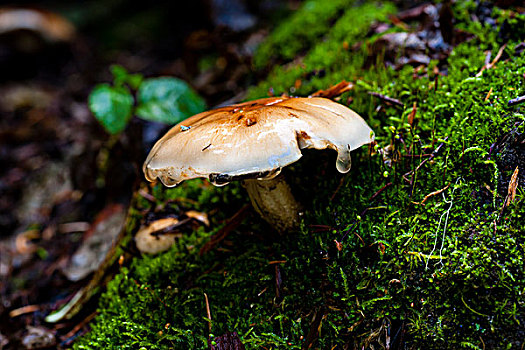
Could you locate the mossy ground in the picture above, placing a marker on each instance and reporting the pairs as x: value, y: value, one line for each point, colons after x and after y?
x: 448, y: 273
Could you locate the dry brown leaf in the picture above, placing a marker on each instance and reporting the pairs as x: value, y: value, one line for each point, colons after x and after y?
x: 97, y: 242
x: 335, y: 90
x: 24, y: 244
x: 513, y: 185
x: 412, y: 114
x: 47, y: 24
x: 147, y: 242
x: 199, y: 216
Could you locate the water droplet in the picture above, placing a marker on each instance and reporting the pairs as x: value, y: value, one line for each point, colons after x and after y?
x: 168, y: 181
x: 344, y: 161
x: 218, y: 183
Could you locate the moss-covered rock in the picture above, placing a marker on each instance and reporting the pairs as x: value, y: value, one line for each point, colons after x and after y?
x: 414, y: 246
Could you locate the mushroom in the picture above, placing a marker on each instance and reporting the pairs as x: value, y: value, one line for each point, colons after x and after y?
x: 252, y: 142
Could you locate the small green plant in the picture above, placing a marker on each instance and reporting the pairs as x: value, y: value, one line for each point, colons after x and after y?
x: 166, y: 100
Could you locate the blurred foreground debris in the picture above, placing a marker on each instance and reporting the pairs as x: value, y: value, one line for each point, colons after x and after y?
x: 45, y: 24
x: 97, y: 243
x: 38, y: 338
x: 32, y: 38
x: 428, y: 33
x: 49, y: 186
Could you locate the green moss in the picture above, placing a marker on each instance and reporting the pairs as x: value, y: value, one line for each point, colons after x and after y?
x: 299, y: 32
x: 330, y: 60
x: 448, y: 273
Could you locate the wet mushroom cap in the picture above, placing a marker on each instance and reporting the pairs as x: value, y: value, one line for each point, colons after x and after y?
x: 255, y: 139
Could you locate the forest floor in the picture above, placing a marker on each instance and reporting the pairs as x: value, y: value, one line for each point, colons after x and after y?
x: 420, y: 245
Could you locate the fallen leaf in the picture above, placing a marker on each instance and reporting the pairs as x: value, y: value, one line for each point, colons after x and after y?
x: 513, y: 185
x: 47, y: 24
x: 38, y: 337
x: 98, y: 241
x: 3, y: 341
x: 199, y: 216
x: 335, y: 90
x: 149, y: 241
x: 412, y: 114
x: 24, y: 244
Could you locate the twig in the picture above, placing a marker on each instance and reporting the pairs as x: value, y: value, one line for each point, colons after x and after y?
x: 208, y: 311
x: 493, y: 63
x: 231, y: 224
x: 374, y: 196
x: 516, y: 101
x: 416, y: 155
x: 152, y: 291
x: 313, y: 333
x: 338, y: 188
x: 488, y: 95
x: 483, y: 343
x: 413, y: 172
x: 147, y: 195
x: 24, y: 310
x: 321, y: 228
x: 277, y: 262
x: 387, y: 99
x: 70, y: 227
x: 433, y: 154
x: 363, y: 213
x: 431, y: 195
x: 170, y: 228
x: 278, y: 284
x: 351, y: 229
x: 72, y: 332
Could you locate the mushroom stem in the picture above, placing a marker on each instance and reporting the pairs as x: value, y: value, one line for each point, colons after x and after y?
x: 274, y: 201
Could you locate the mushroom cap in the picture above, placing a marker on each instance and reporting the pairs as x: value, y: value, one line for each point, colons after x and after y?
x: 255, y: 139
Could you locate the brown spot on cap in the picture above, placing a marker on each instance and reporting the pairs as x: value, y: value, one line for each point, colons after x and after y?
x: 304, y: 135
x: 250, y: 121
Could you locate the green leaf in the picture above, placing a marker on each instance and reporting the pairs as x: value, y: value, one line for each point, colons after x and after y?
x: 121, y: 76
x: 134, y: 80
x: 111, y: 106
x: 167, y: 100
